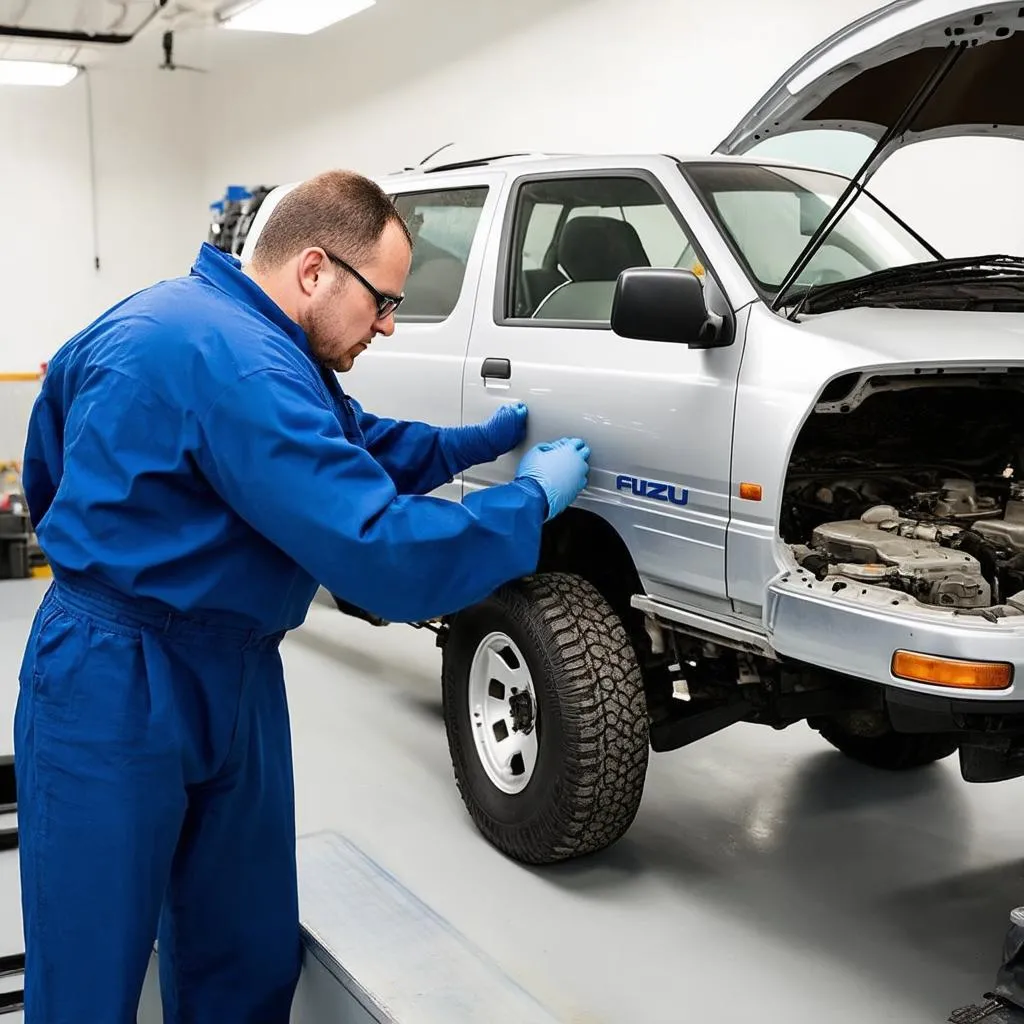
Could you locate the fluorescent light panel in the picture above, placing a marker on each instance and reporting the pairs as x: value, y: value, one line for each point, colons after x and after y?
x: 297, y: 17
x: 35, y: 72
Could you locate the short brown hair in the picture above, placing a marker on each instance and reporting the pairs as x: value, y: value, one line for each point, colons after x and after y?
x: 339, y: 210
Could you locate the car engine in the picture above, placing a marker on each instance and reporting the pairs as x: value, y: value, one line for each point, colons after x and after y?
x: 914, y: 482
x: 947, y: 546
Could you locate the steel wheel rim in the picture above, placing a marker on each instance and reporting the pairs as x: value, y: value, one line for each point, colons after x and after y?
x: 503, y: 713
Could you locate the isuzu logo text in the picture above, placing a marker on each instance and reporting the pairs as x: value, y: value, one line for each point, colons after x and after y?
x: 652, y: 489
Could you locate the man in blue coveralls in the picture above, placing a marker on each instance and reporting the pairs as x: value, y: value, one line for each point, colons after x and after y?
x: 194, y: 470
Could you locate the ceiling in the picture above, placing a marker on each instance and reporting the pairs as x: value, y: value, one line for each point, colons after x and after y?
x: 30, y: 29
x: 200, y: 44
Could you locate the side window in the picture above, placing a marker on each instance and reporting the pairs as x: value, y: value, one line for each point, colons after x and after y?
x: 574, y: 236
x: 443, y: 225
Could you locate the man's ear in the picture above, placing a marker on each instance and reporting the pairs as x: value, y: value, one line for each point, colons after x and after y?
x: 311, y: 264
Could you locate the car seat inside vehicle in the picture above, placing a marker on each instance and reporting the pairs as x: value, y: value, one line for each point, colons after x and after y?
x: 593, y: 251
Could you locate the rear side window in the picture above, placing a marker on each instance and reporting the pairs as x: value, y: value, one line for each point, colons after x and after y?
x: 443, y: 225
x: 574, y: 236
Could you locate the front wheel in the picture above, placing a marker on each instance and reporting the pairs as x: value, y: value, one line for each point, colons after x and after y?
x: 546, y: 719
x: 868, y: 737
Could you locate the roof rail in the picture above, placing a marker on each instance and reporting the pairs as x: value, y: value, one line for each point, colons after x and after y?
x: 482, y: 161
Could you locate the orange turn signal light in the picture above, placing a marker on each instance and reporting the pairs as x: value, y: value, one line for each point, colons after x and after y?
x: 750, y: 492
x: 966, y: 675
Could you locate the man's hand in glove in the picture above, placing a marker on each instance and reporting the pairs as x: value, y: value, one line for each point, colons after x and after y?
x: 506, y: 428
x: 484, y: 442
x: 561, y: 468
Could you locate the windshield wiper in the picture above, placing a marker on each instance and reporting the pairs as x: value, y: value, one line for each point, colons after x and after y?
x: 801, y: 302
x: 894, y: 282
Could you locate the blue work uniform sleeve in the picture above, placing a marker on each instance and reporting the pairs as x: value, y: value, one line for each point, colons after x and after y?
x: 42, y: 462
x: 275, y: 452
x: 415, y: 455
x: 419, y: 457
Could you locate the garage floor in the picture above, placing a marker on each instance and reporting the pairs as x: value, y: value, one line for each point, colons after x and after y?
x: 766, y: 878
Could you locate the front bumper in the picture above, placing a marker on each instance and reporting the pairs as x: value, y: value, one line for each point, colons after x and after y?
x: 855, y: 630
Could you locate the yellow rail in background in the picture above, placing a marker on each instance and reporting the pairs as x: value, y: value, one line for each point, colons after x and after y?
x: 12, y: 378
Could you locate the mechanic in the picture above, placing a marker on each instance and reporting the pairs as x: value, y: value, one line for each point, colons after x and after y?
x: 194, y: 470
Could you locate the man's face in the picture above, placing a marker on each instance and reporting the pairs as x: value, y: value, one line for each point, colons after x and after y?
x: 339, y: 314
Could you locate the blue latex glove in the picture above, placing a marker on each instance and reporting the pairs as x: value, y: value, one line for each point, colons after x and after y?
x: 477, y: 443
x: 506, y: 428
x: 560, y: 468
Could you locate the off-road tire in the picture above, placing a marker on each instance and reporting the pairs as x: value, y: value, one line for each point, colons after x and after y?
x: 887, y: 749
x: 592, y: 728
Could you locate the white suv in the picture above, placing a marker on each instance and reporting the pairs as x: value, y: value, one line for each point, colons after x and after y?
x: 806, y: 500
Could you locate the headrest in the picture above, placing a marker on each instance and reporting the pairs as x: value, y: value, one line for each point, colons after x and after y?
x: 599, y: 248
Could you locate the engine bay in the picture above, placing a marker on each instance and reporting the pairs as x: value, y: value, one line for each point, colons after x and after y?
x: 919, y: 490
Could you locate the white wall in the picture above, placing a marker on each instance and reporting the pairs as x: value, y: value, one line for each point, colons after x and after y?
x: 376, y: 91
x: 380, y: 91
x: 151, y: 204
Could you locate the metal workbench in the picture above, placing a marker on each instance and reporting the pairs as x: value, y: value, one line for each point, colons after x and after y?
x: 374, y: 953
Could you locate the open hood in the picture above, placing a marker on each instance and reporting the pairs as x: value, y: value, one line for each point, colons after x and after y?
x: 910, y: 71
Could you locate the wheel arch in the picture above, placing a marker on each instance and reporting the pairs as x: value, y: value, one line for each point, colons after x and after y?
x: 571, y: 543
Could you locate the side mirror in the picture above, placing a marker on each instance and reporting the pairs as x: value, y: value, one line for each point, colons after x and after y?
x: 665, y: 304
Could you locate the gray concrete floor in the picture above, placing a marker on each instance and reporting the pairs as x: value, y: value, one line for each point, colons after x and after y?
x: 766, y: 877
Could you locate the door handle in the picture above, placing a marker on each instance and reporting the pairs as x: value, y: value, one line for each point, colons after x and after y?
x: 501, y: 368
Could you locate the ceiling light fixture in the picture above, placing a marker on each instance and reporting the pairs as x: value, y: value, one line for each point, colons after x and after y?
x: 35, y: 72
x: 297, y: 17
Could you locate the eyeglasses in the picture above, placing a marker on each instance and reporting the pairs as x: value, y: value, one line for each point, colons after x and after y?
x: 386, y: 304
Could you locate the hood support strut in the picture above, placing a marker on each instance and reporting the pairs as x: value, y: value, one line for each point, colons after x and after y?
x: 949, y: 58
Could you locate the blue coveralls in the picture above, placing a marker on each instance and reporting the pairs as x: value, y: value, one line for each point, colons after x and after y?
x: 193, y: 476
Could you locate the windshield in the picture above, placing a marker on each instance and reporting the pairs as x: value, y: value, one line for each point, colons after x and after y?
x: 769, y: 214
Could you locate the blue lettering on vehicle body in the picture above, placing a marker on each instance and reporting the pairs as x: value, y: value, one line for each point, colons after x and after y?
x: 653, y: 489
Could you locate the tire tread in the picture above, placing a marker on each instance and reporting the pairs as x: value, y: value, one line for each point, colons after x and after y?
x: 601, y: 700
x: 891, y: 751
